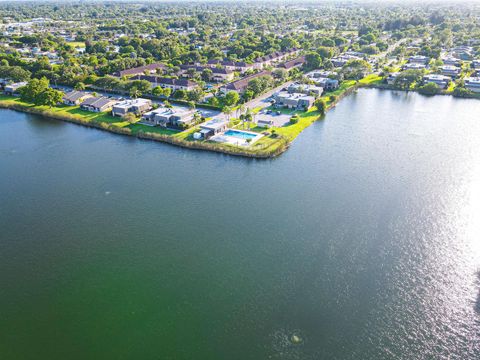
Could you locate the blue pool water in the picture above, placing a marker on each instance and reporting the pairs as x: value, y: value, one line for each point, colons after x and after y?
x: 240, y: 134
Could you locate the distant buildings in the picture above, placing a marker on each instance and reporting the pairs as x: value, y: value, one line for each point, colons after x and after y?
x: 219, y: 74
x: 419, y: 59
x: 241, y: 85
x: 174, y: 84
x: 141, y: 70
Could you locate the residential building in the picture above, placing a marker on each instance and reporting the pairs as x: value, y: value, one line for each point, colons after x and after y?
x: 73, y: 98
x: 473, y: 84
x: 275, y: 58
x: 164, y: 116
x: 240, y: 66
x: 419, y: 59
x: 441, y: 80
x: 12, y: 89
x: 450, y: 70
x: 297, y: 87
x: 293, y: 100
x: 98, y: 104
x: 449, y: 60
x: 241, y: 85
x: 135, y: 106
x: 219, y: 74
x: 174, y: 84
x: 213, y: 127
x: 141, y: 70
x: 414, y: 66
x: 295, y: 63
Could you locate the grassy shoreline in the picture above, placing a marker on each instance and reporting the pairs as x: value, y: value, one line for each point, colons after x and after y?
x: 267, y: 147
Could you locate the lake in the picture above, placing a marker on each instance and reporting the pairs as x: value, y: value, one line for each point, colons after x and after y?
x: 362, y: 240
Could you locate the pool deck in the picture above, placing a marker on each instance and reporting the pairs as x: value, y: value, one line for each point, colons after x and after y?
x: 233, y: 140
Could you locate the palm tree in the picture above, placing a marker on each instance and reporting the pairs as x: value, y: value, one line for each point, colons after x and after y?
x: 227, y: 110
x: 240, y: 109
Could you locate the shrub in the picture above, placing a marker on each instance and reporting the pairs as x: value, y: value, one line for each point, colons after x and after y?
x: 429, y: 89
x: 461, y: 92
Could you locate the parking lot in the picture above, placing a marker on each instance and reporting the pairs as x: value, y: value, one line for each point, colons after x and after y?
x: 271, y: 114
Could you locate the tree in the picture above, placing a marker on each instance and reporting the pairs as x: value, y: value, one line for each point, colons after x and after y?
x: 312, y: 61
x: 31, y: 91
x: 207, y: 74
x: 356, y: 69
x: 135, y: 92
x: 180, y: 94
x: 157, y: 91
x: 232, y: 98
x: 429, y: 89
x: 167, y: 92
x: 49, y: 97
x: 321, y: 106
x: 130, y: 117
x: 407, y: 78
x: 227, y: 110
x: 79, y: 86
x: 191, y: 105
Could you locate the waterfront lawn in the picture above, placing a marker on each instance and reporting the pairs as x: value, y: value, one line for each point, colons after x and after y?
x: 291, y: 131
x: 137, y: 127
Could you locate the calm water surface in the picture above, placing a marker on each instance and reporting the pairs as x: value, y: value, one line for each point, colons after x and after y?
x: 363, y: 239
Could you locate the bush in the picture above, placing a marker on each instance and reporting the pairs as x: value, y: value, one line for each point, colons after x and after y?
x: 429, y: 89
x: 461, y: 92
x: 294, y: 119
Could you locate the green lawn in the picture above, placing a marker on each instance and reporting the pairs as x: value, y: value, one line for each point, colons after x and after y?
x: 77, y: 44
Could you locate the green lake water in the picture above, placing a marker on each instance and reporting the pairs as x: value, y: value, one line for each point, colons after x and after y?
x: 363, y: 239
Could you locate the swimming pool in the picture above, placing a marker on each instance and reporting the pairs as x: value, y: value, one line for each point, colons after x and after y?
x: 240, y: 134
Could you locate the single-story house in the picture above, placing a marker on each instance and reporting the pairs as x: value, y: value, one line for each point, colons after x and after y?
x: 98, y: 104
x: 75, y: 97
x: 164, y: 116
x: 213, y: 127
x: 293, y: 100
x: 441, y: 80
x: 473, y: 84
x: 12, y: 89
x: 136, y: 106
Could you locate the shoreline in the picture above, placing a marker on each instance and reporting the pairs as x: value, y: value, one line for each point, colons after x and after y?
x: 266, y: 153
x: 280, y: 143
